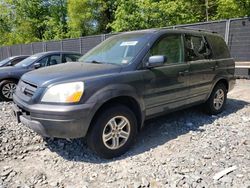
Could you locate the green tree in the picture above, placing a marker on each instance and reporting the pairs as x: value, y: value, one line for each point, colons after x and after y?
x: 86, y: 17
x: 132, y: 15
x: 56, y: 20
x: 231, y: 9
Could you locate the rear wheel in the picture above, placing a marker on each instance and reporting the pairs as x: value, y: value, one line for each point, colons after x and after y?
x: 217, y: 100
x: 113, y: 132
x: 7, y: 88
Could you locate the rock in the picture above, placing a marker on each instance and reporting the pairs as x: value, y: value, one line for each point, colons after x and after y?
x: 145, y: 182
x: 206, y: 156
x: 224, y: 172
x: 137, y: 184
x: 6, y: 172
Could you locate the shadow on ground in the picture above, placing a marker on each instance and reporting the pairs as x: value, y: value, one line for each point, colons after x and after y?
x: 156, y: 132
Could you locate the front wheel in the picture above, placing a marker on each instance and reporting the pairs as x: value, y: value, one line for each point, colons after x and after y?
x: 217, y: 100
x: 7, y: 88
x: 113, y: 132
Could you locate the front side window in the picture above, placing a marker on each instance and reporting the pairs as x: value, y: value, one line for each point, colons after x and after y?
x: 170, y: 46
x: 196, y: 48
x: 50, y: 60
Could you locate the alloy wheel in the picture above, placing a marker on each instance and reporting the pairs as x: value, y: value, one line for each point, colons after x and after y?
x: 8, y: 90
x: 219, y: 99
x: 116, y: 132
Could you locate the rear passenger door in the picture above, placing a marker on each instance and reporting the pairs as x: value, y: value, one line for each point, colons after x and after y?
x: 166, y: 87
x: 202, y: 67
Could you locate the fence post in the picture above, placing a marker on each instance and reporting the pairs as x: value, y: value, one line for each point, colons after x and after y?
x: 44, y: 47
x: 227, y: 31
x: 1, y: 55
x: 32, y: 50
x: 103, y: 37
x: 61, y: 43
x: 80, y: 41
x: 21, y: 49
x: 9, y: 51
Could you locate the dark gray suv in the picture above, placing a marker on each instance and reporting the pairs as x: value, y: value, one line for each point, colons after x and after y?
x: 122, y: 82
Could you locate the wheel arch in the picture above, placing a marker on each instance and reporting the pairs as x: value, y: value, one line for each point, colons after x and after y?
x: 11, y: 79
x: 126, y: 100
x: 219, y: 81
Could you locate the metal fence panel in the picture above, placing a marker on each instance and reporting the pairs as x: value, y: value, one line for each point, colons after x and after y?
x: 15, y: 50
x: 53, y: 46
x: 5, y: 52
x: 239, y: 39
x: 72, y: 45
x: 87, y: 43
x: 37, y: 47
x: 26, y: 49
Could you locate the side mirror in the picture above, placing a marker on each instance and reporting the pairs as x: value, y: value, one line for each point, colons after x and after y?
x: 156, y: 61
x: 37, y: 65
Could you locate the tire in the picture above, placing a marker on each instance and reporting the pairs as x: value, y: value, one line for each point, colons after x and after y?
x: 7, y: 88
x: 217, y: 100
x: 102, y: 127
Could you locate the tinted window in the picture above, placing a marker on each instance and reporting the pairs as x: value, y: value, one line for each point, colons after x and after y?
x: 50, y: 60
x: 170, y: 46
x: 70, y: 57
x: 219, y: 47
x: 196, y: 48
x: 17, y: 60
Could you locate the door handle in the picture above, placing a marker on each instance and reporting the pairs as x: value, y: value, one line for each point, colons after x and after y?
x: 183, y: 73
x: 215, y: 67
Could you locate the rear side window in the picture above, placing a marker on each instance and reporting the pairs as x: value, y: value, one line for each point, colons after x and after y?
x: 196, y: 48
x: 70, y: 57
x: 170, y: 46
x: 219, y: 47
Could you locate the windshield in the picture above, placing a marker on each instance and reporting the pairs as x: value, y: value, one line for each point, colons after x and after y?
x: 120, y: 49
x: 28, y: 61
x: 3, y: 62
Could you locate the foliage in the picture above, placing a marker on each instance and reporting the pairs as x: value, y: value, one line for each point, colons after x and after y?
x: 23, y: 21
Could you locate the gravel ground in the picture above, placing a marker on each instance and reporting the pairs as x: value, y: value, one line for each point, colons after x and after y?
x: 182, y: 149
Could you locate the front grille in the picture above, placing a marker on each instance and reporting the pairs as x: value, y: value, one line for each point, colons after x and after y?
x: 27, y: 88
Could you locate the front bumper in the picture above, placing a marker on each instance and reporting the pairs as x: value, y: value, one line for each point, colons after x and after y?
x: 61, y: 121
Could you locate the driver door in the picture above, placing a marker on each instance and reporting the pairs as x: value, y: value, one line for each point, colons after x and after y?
x: 166, y: 87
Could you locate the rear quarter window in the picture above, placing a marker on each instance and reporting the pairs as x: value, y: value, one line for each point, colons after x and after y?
x: 219, y: 47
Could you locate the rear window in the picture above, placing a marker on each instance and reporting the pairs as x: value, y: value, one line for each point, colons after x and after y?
x: 219, y: 47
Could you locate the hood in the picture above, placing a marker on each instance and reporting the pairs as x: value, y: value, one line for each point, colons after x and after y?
x: 68, y: 71
x: 11, y: 71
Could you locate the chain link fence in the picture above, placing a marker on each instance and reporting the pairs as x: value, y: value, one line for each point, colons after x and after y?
x: 236, y: 33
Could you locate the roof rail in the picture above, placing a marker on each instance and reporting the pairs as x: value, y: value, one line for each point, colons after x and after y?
x: 194, y: 29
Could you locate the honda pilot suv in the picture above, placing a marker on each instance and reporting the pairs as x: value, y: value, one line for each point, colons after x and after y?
x: 122, y: 82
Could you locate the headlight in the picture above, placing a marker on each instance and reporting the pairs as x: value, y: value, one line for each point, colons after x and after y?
x: 64, y: 93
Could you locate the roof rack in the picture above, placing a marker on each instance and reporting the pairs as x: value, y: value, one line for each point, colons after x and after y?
x: 194, y: 29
